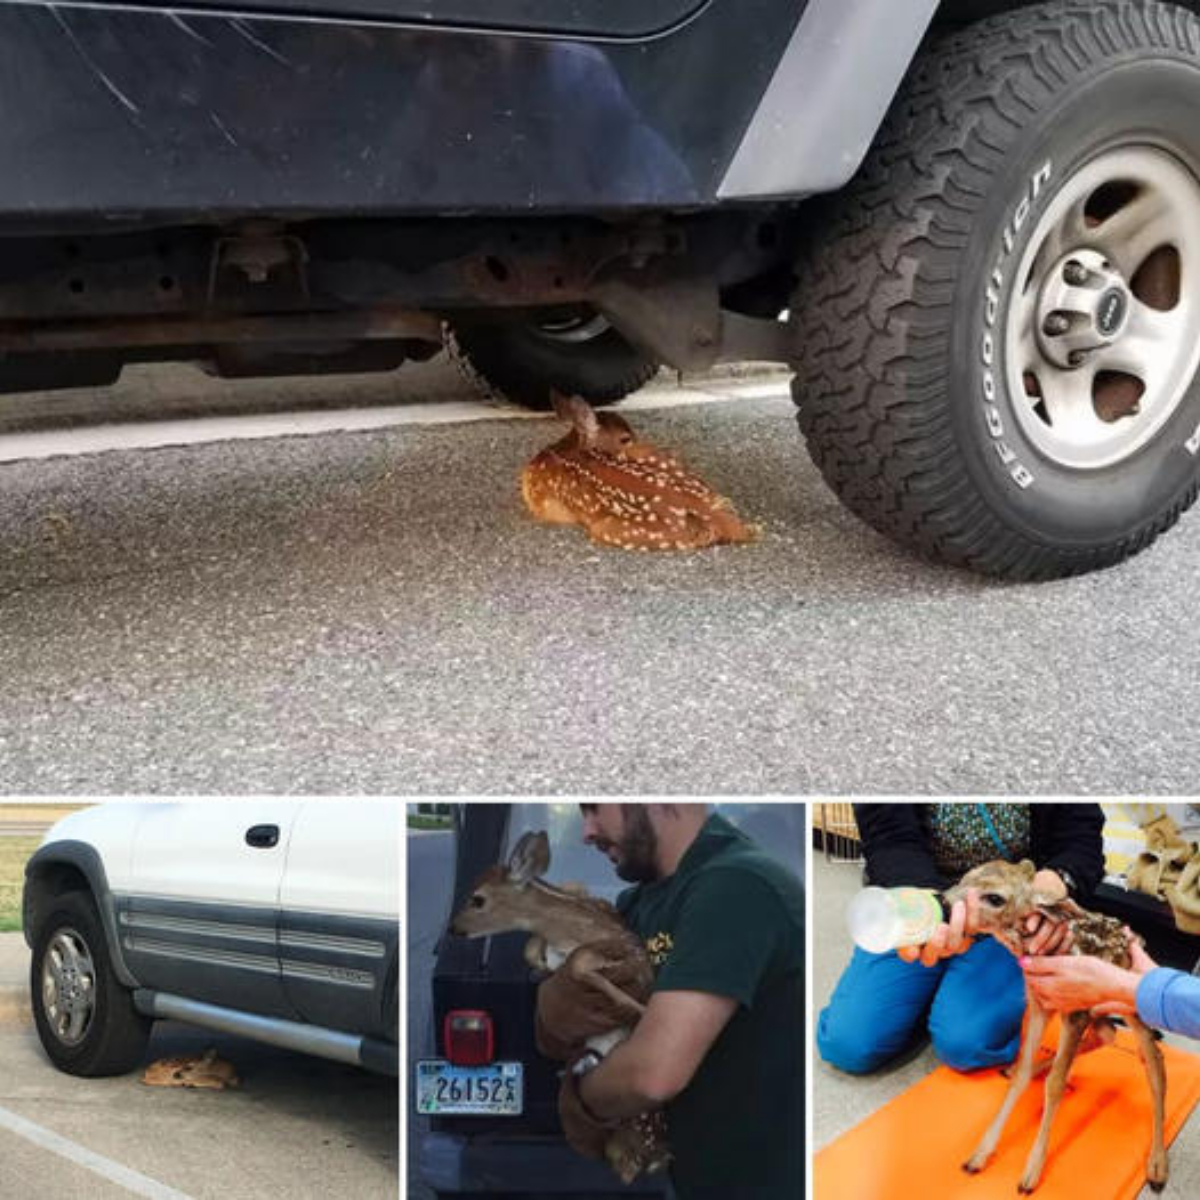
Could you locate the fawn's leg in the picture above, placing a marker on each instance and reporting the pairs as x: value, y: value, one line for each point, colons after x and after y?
x: 1156, y: 1075
x: 1035, y: 1026
x: 584, y: 964
x: 630, y: 1008
x: 1097, y: 1035
x: 1073, y: 1025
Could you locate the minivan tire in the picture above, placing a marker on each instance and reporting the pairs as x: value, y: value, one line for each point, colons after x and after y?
x: 84, y: 1015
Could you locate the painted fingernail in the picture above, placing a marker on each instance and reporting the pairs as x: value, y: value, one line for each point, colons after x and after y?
x: 1024, y: 960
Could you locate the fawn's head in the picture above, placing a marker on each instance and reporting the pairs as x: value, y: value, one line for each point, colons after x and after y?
x: 600, y: 433
x: 501, y: 901
x: 1006, y: 897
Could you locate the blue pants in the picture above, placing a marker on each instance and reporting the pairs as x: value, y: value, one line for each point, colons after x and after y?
x: 974, y: 1003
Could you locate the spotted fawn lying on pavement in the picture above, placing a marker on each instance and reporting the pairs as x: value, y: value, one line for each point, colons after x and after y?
x: 192, y: 1071
x: 624, y: 492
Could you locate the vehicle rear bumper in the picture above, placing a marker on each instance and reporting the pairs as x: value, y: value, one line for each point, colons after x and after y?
x: 527, y: 1164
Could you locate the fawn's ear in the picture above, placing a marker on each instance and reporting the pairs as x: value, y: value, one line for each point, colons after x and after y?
x: 530, y: 858
x: 578, y: 412
x: 1027, y: 868
x: 1060, y: 908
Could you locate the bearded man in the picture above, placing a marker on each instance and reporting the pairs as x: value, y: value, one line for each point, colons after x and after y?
x: 720, y: 1046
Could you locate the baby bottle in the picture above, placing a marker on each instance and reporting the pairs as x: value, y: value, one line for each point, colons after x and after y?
x: 880, y: 919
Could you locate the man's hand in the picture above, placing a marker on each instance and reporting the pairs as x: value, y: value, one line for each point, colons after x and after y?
x: 949, y: 938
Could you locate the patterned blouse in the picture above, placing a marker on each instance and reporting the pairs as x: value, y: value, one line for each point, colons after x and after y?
x: 962, y: 836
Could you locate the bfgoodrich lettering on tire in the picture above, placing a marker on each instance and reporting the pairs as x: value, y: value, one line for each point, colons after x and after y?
x: 85, y: 1018
x: 998, y: 325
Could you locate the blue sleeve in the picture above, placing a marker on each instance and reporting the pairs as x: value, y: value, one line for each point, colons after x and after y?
x: 1170, y: 1000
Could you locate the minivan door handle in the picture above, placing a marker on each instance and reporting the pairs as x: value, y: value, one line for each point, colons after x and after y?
x: 262, y: 837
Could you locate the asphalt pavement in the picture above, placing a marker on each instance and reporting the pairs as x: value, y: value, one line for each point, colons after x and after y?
x: 297, y: 1128
x: 373, y: 612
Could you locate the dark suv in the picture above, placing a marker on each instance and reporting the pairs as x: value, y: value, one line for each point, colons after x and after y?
x: 509, y: 1143
x: 969, y: 225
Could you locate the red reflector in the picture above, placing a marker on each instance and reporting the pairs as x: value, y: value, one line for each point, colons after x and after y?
x: 468, y: 1038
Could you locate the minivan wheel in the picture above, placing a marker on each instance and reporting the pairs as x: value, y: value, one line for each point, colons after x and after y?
x: 571, y: 350
x: 997, y: 332
x: 85, y: 1017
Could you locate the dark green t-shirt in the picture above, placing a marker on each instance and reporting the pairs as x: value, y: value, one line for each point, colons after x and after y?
x: 730, y: 921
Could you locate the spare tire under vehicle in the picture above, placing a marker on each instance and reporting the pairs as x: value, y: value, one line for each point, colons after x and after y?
x: 997, y: 327
x: 575, y: 351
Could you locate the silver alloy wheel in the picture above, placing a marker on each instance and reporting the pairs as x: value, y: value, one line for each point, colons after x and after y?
x: 1103, y: 329
x: 583, y: 328
x: 68, y: 987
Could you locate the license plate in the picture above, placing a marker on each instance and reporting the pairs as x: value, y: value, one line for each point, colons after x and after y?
x: 497, y: 1090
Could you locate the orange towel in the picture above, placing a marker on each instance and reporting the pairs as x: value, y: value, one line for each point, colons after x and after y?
x: 916, y: 1144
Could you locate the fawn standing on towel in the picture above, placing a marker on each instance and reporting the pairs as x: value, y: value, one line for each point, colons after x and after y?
x: 1006, y: 898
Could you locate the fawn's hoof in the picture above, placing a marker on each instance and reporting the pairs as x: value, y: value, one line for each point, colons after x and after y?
x: 972, y: 1167
x: 1156, y: 1171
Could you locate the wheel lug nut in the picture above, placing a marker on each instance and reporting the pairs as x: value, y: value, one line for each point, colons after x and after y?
x: 1055, y: 324
x: 1075, y: 273
x: 1076, y: 357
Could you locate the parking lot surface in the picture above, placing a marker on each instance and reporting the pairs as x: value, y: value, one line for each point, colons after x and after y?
x: 297, y: 1127
x: 373, y: 612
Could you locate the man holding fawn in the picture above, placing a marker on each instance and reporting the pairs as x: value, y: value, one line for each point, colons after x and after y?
x: 720, y: 1046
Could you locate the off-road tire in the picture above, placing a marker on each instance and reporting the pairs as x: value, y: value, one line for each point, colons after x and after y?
x: 115, y: 1040
x: 889, y: 317
x: 509, y: 360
